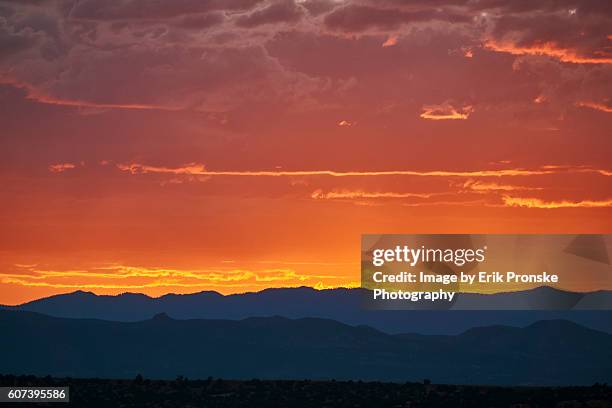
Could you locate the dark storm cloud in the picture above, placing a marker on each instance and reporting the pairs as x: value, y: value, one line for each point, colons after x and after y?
x: 201, y: 21
x: 530, y: 6
x: 152, y: 9
x: 318, y: 7
x: 587, y: 35
x: 218, y: 55
x: 21, y: 33
x: 358, y: 18
x: 284, y: 11
x: 26, y: 2
x: 11, y: 43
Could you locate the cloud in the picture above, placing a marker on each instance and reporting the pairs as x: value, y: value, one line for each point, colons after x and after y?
x: 474, y: 186
x: 130, y: 277
x: 481, y: 186
x: 201, y: 21
x: 188, y: 169
x: 220, y: 56
x: 347, y: 194
x: 538, y: 203
x: 539, y: 99
x: 549, y: 49
x: 147, y: 55
x: 594, y: 105
x: 38, y: 95
x: 448, y: 203
x: 199, y: 169
x: 13, y: 41
x: 281, y: 11
x: 349, y: 285
x: 358, y: 18
x: 390, y: 41
x: 146, y: 9
x: 61, y: 167
x: 569, y: 32
x: 446, y: 111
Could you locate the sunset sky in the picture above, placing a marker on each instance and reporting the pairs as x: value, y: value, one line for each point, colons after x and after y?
x: 233, y: 145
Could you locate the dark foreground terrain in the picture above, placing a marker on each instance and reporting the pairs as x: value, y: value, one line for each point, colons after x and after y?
x: 546, y: 353
x: 181, y: 392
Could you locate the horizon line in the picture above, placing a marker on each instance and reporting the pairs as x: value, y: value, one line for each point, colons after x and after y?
x: 284, y: 288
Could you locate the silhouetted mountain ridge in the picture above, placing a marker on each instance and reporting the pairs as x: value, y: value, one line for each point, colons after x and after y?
x: 343, y: 305
x: 553, y: 352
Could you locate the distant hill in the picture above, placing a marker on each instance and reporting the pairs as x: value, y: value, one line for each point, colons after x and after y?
x: 343, y: 305
x: 546, y: 353
x: 541, y: 298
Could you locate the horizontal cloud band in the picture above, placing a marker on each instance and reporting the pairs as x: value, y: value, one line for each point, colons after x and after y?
x: 195, y: 169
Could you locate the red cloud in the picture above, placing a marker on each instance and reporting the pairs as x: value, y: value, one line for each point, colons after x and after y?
x: 594, y: 105
x: 550, y: 49
x: 446, y: 111
x: 61, y: 167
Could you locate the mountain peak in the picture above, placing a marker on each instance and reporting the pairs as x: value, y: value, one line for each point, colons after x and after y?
x: 161, y: 317
x: 554, y: 324
x: 82, y: 293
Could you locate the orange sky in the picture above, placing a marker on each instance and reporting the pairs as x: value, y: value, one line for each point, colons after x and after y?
x: 248, y: 144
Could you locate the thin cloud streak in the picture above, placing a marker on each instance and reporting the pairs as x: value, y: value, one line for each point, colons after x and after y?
x: 344, y: 194
x: 61, y: 167
x: 199, y: 169
x: 480, y: 186
x: 34, y: 94
x: 448, y: 203
x: 538, y: 203
x: 348, y: 285
x: 82, y: 286
x: 445, y: 112
x: 594, y: 105
x: 549, y: 49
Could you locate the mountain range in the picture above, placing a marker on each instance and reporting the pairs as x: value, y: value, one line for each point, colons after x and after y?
x: 342, y: 305
x: 553, y: 352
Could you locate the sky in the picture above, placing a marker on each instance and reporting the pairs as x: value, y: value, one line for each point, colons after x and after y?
x: 178, y: 146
